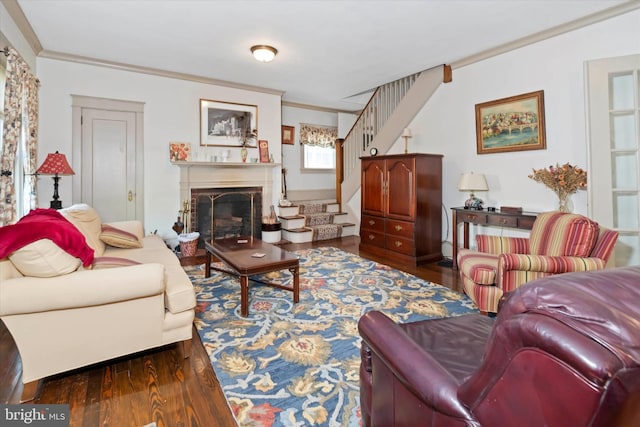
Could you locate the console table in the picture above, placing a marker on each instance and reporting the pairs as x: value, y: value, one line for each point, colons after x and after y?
x: 522, y: 220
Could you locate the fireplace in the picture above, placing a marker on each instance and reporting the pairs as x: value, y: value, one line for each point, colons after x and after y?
x: 202, y: 178
x: 217, y: 213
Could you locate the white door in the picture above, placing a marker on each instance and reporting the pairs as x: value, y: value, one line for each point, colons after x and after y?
x: 614, y: 151
x: 109, y: 148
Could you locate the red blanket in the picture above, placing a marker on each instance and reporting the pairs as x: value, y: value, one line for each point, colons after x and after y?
x: 45, y: 224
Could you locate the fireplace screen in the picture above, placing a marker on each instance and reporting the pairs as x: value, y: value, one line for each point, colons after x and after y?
x: 226, y: 212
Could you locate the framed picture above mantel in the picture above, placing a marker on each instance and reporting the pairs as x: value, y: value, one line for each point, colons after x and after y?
x: 511, y: 124
x: 228, y: 124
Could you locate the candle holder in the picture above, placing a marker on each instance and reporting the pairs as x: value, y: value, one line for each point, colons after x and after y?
x: 406, y: 134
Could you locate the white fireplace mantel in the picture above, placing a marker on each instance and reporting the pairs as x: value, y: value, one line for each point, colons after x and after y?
x: 194, y: 175
x: 225, y: 164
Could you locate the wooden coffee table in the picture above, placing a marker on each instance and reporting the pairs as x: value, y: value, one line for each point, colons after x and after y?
x: 238, y: 254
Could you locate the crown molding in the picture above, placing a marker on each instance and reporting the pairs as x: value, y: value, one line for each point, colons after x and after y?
x: 17, y: 15
x: 551, y: 32
x: 317, y: 108
x: 153, y: 71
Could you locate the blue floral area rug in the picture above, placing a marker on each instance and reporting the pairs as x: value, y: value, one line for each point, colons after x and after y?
x: 292, y: 364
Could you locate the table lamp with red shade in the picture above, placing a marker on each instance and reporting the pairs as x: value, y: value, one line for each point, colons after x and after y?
x: 55, y: 164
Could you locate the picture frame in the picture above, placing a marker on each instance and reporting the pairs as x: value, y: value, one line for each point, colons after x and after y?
x: 179, y: 151
x: 288, y: 134
x: 263, y: 146
x: 228, y: 124
x: 515, y: 123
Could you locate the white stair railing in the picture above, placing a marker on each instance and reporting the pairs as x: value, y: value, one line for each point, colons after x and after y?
x: 382, y: 104
x: 391, y: 108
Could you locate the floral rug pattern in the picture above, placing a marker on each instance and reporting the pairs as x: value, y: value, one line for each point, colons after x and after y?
x: 292, y: 364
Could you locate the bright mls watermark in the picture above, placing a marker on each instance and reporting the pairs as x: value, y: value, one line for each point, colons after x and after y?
x: 34, y: 415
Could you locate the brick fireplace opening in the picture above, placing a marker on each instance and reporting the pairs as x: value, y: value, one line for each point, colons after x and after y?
x: 217, y: 213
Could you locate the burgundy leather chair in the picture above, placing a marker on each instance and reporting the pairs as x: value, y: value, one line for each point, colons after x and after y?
x: 563, y: 351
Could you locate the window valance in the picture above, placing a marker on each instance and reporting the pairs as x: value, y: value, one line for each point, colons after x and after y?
x: 321, y: 136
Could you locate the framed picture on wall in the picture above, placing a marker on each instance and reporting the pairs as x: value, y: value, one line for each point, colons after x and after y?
x: 288, y: 134
x: 264, y: 151
x: 228, y: 124
x: 179, y: 151
x: 511, y: 124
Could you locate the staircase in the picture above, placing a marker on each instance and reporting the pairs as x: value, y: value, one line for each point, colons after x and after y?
x: 311, y: 221
x: 390, y: 109
x: 380, y: 124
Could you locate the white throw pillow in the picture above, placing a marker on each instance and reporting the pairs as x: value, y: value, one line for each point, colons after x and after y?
x: 87, y: 220
x: 43, y: 258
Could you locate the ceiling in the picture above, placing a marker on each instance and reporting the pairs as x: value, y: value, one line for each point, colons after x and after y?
x: 330, y: 52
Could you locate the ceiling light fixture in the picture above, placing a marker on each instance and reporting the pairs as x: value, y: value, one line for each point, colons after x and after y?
x: 264, y: 53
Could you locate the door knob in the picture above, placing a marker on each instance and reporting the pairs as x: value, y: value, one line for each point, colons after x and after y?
x: 130, y: 196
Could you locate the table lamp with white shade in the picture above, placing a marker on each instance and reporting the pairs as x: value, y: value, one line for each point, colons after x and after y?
x: 473, y: 182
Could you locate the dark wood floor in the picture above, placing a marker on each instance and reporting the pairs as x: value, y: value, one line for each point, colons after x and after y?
x: 157, y: 385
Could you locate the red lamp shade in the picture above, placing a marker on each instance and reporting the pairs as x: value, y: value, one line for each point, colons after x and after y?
x: 55, y: 164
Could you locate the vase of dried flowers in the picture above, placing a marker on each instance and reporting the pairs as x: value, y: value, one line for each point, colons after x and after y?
x: 563, y: 180
x: 563, y: 205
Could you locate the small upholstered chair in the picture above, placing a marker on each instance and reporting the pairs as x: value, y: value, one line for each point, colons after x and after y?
x: 558, y: 243
x: 563, y: 351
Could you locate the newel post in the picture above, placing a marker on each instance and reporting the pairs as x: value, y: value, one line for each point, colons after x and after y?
x: 339, y: 170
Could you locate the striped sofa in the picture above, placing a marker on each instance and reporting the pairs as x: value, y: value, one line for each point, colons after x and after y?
x: 558, y: 243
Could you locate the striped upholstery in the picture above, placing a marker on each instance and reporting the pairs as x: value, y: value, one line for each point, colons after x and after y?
x: 563, y: 234
x: 605, y: 243
x: 502, y: 245
x: 488, y: 295
x: 516, y: 269
x: 504, y: 263
x: 479, y: 267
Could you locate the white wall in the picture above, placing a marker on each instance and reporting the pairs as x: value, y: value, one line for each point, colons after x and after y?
x: 292, y: 154
x: 447, y: 123
x: 171, y: 113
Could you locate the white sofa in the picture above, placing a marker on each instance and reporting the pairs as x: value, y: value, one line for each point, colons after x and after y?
x: 72, y: 320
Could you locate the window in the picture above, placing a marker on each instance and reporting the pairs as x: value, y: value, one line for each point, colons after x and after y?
x: 23, y: 194
x: 18, y: 147
x: 3, y: 78
x: 315, y: 157
x: 319, y: 148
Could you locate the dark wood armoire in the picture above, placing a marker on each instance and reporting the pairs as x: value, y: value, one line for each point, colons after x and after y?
x: 402, y: 207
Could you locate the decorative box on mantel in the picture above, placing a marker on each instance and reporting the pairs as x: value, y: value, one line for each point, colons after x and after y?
x: 198, y: 175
